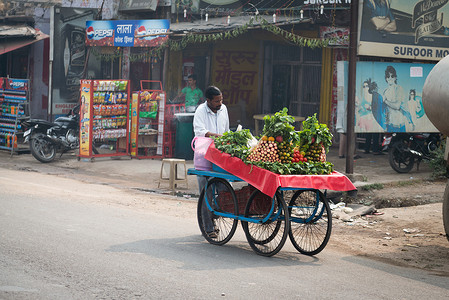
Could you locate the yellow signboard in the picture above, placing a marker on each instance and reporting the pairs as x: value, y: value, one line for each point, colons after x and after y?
x: 85, y: 115
x: 235, y: 71
x: 134, y: 104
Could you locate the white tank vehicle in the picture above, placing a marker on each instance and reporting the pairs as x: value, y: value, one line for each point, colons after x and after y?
x: 435, y: 100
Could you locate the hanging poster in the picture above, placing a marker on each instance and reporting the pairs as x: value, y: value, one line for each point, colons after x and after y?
x: 412, y: 29
x: 70, y: 56
x: 340, y: 55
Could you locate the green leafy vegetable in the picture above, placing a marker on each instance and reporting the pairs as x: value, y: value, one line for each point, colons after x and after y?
x: 314, y: 132
x: 280, y: 125
x: 236, y: 144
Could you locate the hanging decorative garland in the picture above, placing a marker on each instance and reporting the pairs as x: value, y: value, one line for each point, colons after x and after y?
x: 195, y: 38
x: 96, y: 51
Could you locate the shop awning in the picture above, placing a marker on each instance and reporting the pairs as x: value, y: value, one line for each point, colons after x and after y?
x: 13, y: 37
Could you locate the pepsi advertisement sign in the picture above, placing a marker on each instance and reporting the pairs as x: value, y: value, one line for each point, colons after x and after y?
x: 19, y: 86
x: 127, y: 33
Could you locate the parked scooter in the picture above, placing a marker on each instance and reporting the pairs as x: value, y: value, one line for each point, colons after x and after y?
x: 47, y: 138
x: 406, y: 148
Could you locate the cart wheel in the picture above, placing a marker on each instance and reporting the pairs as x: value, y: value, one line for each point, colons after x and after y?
x: 267, y: 234
x: 311, y: 221
x: 221, y: 196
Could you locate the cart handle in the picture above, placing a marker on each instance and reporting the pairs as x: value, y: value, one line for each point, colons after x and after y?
x: 150, y: 81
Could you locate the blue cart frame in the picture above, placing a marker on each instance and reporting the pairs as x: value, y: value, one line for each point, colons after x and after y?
x: 306, y: 218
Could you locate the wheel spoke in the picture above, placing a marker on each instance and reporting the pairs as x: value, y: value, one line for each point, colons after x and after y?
x: 217, y: 230
x: 311, y: 221
x: 266, y: 238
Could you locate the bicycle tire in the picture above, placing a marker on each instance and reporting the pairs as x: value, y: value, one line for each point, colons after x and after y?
x: 224, y: 227
x: 311, y: 221
x: 269, y: 237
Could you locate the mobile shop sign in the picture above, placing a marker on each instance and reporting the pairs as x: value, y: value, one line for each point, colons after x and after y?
x: 419, y: 32
x: 127, y: 33
x: 339, y: 36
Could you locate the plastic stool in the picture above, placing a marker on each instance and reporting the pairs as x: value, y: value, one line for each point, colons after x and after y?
x: 173, y: 179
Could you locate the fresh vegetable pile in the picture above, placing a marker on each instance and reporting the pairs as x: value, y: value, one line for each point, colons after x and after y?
x: 281, y: 149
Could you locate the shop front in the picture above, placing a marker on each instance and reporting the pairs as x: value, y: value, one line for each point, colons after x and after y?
x: 123, y: 49
x: 259, y: 73
x: 285, y: 55
x: 17, y: 35
x: 16, y: 39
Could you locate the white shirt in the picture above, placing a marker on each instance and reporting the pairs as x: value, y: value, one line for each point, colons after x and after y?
x: 205, y: 120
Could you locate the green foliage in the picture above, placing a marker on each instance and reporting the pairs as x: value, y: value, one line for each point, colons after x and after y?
x: 280, y: 125
x: 299, y: 168
x: 439, y: 166
x: 176, y: 44
x: 405, y: 183
x: 314, y: 132
x: 234, y: 143
x: 374, y: 186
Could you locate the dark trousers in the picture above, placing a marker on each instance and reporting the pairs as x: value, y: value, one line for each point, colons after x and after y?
x: 372, y: 142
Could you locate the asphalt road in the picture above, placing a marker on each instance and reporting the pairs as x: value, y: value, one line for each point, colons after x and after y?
x: 66, y: 239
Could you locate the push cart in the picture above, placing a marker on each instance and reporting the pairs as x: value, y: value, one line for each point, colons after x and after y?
x: 267, y: 213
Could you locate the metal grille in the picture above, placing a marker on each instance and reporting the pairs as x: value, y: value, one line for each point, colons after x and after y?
x: 296, y: 79
x: 311, y: 55
x: 310, y: 103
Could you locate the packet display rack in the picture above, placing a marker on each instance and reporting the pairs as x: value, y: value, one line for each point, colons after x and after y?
x: 148, y: 133
x: 104, y: 118
x: 14, y: 104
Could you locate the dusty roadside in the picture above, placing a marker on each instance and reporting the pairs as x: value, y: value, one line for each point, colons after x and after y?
x: 409, y: 234
x: 407, y: 229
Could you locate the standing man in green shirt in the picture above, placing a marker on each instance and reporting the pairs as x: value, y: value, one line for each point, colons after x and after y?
x: 192, y: 94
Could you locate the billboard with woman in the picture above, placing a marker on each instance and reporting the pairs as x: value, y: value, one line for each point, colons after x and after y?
x: 388, y: 97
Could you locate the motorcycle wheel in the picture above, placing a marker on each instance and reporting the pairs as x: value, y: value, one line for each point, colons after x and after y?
x: 446, y: 210
x: 400, y: 160
x: 41, y: 149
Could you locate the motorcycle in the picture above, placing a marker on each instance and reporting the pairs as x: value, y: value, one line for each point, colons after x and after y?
x: 406, y: 148
x: 47, y: 138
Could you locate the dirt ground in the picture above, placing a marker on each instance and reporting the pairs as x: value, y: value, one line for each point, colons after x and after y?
x: 409, y: 232
x: 409, y: 236
x: 406, y: 228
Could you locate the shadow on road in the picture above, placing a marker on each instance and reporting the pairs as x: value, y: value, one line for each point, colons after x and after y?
x: 234, y: 255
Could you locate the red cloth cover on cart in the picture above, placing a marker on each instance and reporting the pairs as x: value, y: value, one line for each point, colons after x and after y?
x: 268, y: 182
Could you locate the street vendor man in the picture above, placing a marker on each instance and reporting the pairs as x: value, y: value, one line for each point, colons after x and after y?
x: 192, y: 94
x: 210, y: 119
